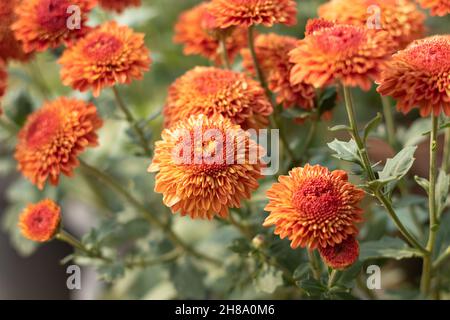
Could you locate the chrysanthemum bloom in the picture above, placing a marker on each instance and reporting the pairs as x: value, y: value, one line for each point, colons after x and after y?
x: 272, y: 51
x: 342, y: 255
x: 207, y: 90
x: 418, y: 76
x: 53, y: 137
x: 438, y: 7
x: 197, y: 31
x: 402, y: 19
x: 350, y: 54
x: 41, y: 221
x: 205, y: 166
x: 109, y: 55
x: 314, y: 207
x: 118, y: 5
x: 43, y: 24
x: 253, y: 12
x: 10, y: 48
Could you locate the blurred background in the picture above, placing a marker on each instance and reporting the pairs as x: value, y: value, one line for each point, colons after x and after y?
x: 28, y: 271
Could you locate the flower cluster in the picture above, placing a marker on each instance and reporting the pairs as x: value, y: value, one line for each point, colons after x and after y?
x: 316, y: 208
x: 402, y: 20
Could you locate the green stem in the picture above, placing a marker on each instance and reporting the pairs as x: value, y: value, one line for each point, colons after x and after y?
x: 224, y: 52
x: 66, y: 237
x: 332, y: 278
x: 164, y: 258
x: 371, y: 174
x: 147, y: 214
x: 131, y: 120
x: 425, y: 284
x: 446, y: 154
x: 314, y: 264
x: 259, y: 72
x: 389, y: 120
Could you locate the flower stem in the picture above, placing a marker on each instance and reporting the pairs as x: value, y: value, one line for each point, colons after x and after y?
x: 259, y: 73
x: 164, y: 258
x: 147, y: 214
x: 66, y: 237
x: 314, y: 264
x: 371, y: 174
x: 332, y: 278
x: 446, y: 154
x: 389, y: 120
x: 224, y: 52
x: 425, y: 283
x: 131, y: 120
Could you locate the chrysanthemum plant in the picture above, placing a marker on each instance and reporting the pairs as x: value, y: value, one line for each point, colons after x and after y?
x: 168, y: 222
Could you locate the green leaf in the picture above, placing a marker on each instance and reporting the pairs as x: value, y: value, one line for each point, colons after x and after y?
x: 397, y: 167
x: 340, y: 127
x: 372, y: 125
x: 111, y: 272
x: 269, y: 279
x: 302, y: 270
x: 347, y: 151
x: 188, y: 279
x: 424, y: 183
x: 442, y: 185
x: 312, y: 287
x: 387, y: 247
x: 295, y: 113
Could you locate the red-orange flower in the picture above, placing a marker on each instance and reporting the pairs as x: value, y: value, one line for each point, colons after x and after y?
x: 400, y: 18
x: 342, y: 255
x: 418, y: 76
x: 437, y: 7
x: 43, y: 24
x: 53, y: 137
x: 118, y: 5
x: 252, y: 12
x: 41, y: 221
x: 314, y: 207
x: 350, y: 54
x: 207, y: 90
x: 272, y: 52
x: 197, y: 31
x: 10, y: 48
x: 109, y: 55
x: 206, y: 165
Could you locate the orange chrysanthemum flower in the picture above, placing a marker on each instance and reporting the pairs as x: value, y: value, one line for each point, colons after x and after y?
x: 314, y: 207
x: 400, y: 18
x: 52, y: 138
x: 41, y: 221
x: 118, y: 5
x: 418, y: 76
x: 197, y: 31
x: 206, y: 165
x: 10, y: 48
x: 252, y: 12
x: 43, y: 24
x: 272, y: 51
x: 207, y: 90
x: 438, y: 7
x: 350, y: 54
x: 342, y: 255
x: 109, y: 55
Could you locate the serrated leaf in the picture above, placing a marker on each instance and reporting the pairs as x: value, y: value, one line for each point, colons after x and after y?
x: 111, y: 272
x: 397, y: 167
x: 387, y: 247
x: 442, y: 186
x: 372, y: 125
x: 347, y: 151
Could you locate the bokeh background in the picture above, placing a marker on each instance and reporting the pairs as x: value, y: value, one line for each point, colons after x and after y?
x: 28, y: 271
